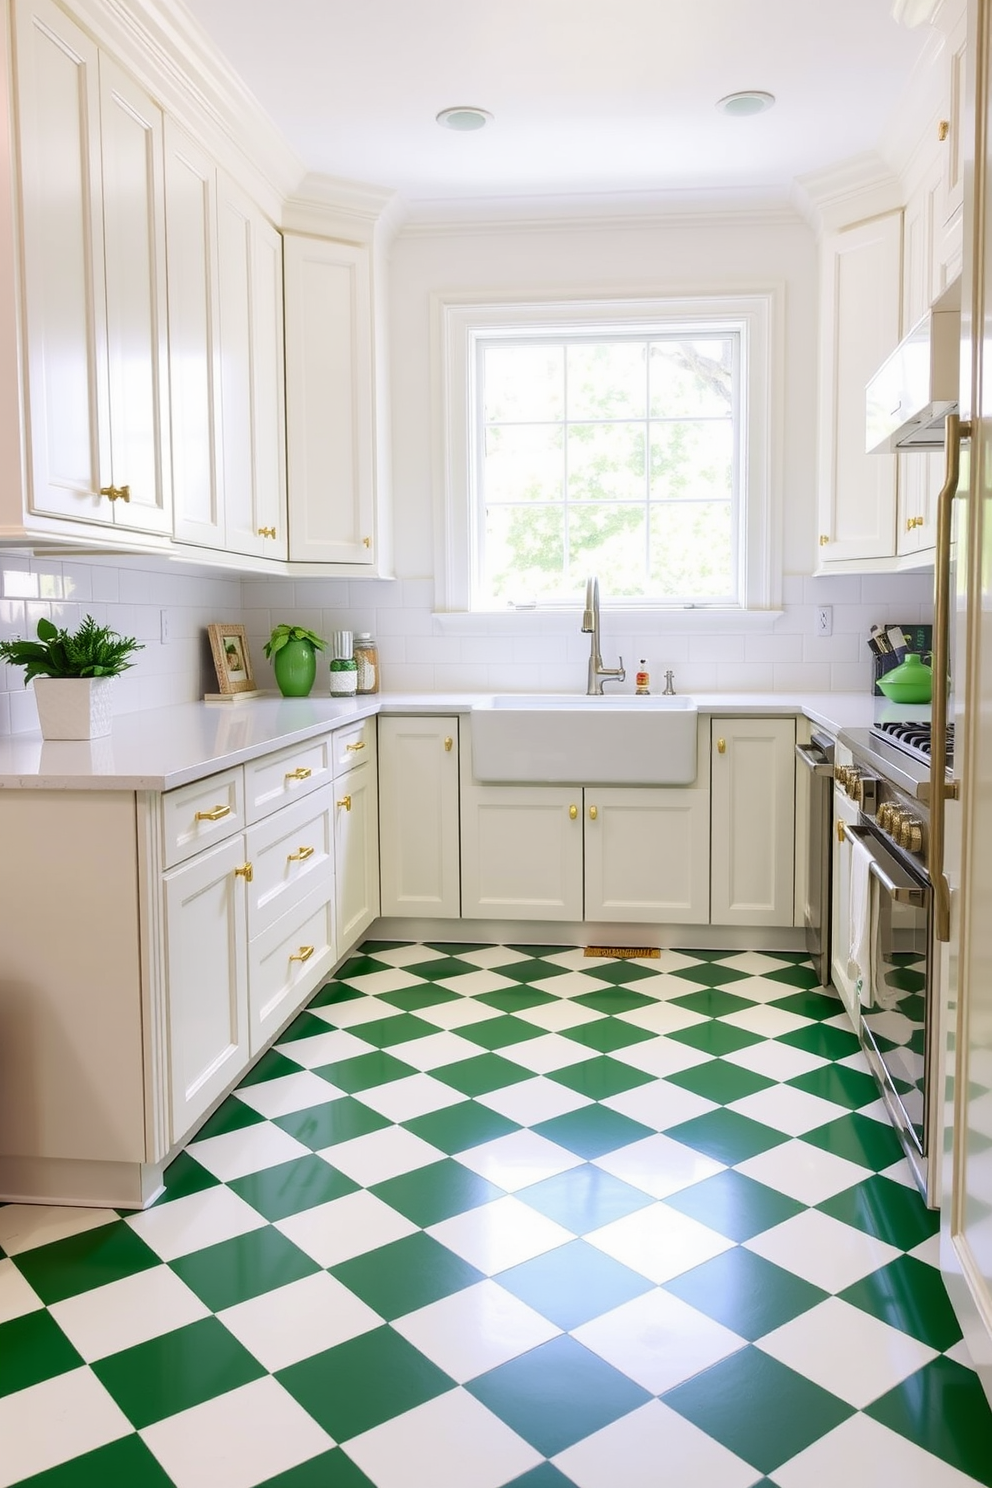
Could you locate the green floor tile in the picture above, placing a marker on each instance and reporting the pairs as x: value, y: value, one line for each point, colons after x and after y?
x: 81, y: 1262
x: 557, y: 1394
x: 360, y: 966
x: 544, y: 1476
x: 514, y: 999
x: 737, y: 1400
x: 886, y: 1209
x: 398, y: 1028
x: 837, y: 1083
x: 360, y: 1384
x: 274, y: 1064
x: 232, y: 1271
x: 458, y: 947
x: 457, y: 1128
x: 499, y: 1033
x: 334, y: 1121
x: 531, y: 970
x: 623, y: 971
x: 231, y: 1115
x: 406, y: 1275
x: 909, y: 1295
x: 726, y: 1136
x: 290, y: 1187
x: 592, y: 1131
x: 541, y: 952
x: 305, y: 1026
x: 713, y: 1002
x: 125, y: 1463
x: 796, y: 976
x: 613, y: 1000
x: 858, y: 1138
x: 600, y: 1078
x: 442, y: 968
x: 715, y: 1037
x: 33, y: 1348
x: 412, y: 999
x: 333, y: 993
x: 182, y: 1177
x: 333, y: 1469
x: 710, y: 974
x: 746, y: 1293
x: 719, y: 1081
x: 365, y: 1071
x: 573, y: 1283
x: 817, y: 1038
x: 944, y: 1410
x: 807, y: 1004
x: 607, y: 1035
x: 371, y: 947
x: 436, y: 1192
x: 584, y: 1198
x: 175, y: 1371
x: 734, y: 1206
x: 480, y: 1075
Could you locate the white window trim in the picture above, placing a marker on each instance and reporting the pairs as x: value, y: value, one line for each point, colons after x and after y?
x: 460, y: 321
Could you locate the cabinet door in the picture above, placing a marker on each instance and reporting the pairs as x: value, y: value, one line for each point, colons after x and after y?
x: 522, y: 853
x: 418, y: 816
x: 206, y: 943
x: 329, y: 419
x: 846, y: 813
x: 647, y: 856
x: 356, y: 853
x: 754, y: 821
x: 859, y: 327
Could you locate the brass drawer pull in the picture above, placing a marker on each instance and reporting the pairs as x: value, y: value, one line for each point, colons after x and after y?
x: 593, y: 813
x: 303, y: 954
x: 246, y: 871
x: 841, y: 833
x: 301, y: 774
x: 266, y: 532
x: 449, y: 744
x: 214, y: 814
x: 301, y: 854
x: 345, y: 801
x: 116, y: 493
x: 721, y: 746
x: 354, y: 748
x: 823, y: 540
x: 366, y: 542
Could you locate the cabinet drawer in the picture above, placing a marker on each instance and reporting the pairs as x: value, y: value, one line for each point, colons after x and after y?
x: 276, y: 779
x: 292, y: 855
x: 286, y: 963
x: 353, y: 745
x: 197, y: 815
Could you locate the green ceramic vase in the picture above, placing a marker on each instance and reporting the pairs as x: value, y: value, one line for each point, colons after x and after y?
x: 295, y: 666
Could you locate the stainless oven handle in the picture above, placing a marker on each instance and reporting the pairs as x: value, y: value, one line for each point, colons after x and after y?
x: 814, y: 761
x: 898, y: 886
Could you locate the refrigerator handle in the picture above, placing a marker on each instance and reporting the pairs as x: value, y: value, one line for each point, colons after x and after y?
x: 940, y: 787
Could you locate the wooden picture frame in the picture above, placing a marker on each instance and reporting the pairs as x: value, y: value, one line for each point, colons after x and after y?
x: 232, y: 662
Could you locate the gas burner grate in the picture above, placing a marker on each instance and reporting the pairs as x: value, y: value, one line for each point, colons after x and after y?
x: 915, y: 738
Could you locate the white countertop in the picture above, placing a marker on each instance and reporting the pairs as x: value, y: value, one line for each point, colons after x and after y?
x: 162, y: 748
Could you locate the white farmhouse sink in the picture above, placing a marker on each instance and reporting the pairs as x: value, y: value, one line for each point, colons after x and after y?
x: 575, y: 740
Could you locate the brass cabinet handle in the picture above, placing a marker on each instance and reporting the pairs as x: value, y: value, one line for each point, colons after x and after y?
x: 823, y: 540
x: 449, y: 744
x: 214, y: 814
x: 912, y: 522
x: 366, y: 542
x: 303, y: 954
x: 345, y: 801
x: 116, y: 493
x: 266, y: 532
x: 943, y: 129
x: 301, y: 774
x: 301, y: 854
x: 354, y: 748
x: 721, y: 746
x: 573, y: 812
x: 841, y: 834
x: 246, y: 871
x: 593, y: 812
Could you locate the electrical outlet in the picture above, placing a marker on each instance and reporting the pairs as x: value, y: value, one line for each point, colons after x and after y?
x: 163, y: 621
x: 825, y: 620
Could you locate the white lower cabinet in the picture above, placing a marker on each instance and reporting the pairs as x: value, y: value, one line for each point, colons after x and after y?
x: 647, y: 855
x: 753, y: 779
x: 285, y: 963
x: 418, y: 817
x: 356, y: 851
x: 522, y: 852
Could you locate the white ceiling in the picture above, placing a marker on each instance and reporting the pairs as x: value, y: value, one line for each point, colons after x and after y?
x: 589, y: 96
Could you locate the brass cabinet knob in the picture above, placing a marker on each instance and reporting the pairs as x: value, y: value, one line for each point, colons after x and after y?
x: 943, y: 129
x: 593, y: 813
x: 823, y: 540
x: 301, y: 854
x: 345, y: 801
x: 214, y: 814
x: 303, y: 954
x: 366, y: 542
x: 246, y: 871
x: 449, y: 744
x: 721, y: 746
x: 301, y: 774
x: 573, y: 812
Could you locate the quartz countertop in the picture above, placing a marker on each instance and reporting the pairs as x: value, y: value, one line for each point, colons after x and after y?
x: 162, y: 748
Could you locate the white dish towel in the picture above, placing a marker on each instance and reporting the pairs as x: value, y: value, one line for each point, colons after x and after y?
x: 862, y: 921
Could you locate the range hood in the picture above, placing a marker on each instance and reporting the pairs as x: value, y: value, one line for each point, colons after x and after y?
x: 916, y: 388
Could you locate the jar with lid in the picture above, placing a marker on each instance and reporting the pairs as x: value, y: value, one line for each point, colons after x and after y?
x: 367, y: 661
x: 343, y: 667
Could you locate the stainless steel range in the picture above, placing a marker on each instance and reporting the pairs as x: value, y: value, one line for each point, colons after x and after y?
x: 890, y: 779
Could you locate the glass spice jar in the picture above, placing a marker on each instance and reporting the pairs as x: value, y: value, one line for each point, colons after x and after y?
x: 367, y: 661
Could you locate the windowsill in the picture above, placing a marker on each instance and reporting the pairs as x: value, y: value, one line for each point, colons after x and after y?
x: 646, y: 621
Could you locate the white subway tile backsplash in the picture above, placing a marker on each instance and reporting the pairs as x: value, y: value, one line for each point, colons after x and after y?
x: 832, y: 589
x: 718, y: 649
x: 772, y: 648
x: 850, y: 676
x: 744, y: 677
x: 840, y: 647
x: 803, y: 678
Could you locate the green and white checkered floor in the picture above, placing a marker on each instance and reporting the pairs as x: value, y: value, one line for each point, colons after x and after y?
x: 495, y: 1215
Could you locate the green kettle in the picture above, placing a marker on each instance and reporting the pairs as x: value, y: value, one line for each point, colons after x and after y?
x: 910, y: 682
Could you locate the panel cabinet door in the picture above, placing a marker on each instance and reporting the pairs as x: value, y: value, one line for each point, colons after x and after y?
x: 647, y: 855
x: 522, y: 852
x: 418, y: 817
x: 754, y: 821
x: 329, y: 409
x: 206, y: 945
x: 356, y: 853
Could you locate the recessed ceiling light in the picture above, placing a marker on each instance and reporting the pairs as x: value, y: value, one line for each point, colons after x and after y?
x: 749, y: 101
x: 464, y: 118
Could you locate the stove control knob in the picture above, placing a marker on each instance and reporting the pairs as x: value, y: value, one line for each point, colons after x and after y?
x: 897, y: 819
x: 857, y: 789
x: 841, y: 772
x: 911, y: 835
x: 884, y: 817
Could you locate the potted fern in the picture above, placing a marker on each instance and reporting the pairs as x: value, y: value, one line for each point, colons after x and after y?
x: 73, y: 675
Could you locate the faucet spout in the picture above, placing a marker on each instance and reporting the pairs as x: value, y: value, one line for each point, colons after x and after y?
x: 590, y: 626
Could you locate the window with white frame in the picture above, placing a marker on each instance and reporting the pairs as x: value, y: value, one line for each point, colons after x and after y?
x: 630, y: 440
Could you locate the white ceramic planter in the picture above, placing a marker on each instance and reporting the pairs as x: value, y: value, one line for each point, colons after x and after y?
x: 74, y: 707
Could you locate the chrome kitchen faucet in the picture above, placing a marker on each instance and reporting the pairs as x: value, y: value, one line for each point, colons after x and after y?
x: 590, y: 626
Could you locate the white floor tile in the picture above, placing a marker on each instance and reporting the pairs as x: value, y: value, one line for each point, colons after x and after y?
x: 408, y: 955
x: 754, y: 963
x: 58, y: 1419
x: 961, y: 1354
x: 474, y: 983
x: 824, y: 1251
x: 498, y: 1235
x: 877, y: 1111
x: 434, y: 1050
x: 900, y: 1172
x: 572, y: 983
x: 288, y: 1093
x: 475, y: 1330
x: 927, y: 1251
x: 16, y: 1297
x: 651, y: 1447
x: 861, y: 1453
x: 326, y: 1048
x: 803, y: 1171
x: 382, y: 1154
x: 518, y: 1159
x: 775, y: 1061
x: 658, y: 1340
x: 248, y: 1150
x: 659, y: 1104
x: 766, y: 1020
x: 662, y: 1017
x: 554, y: 1017
x: 760, y: 988
x: 856, y: 1061
x: 414, y: 1095
x: 574, y: 959
x: 123, y: 1313
x: 238, y: 1439
x: 377, y: 982
x: 334, y: 1232
x: 661, y: 1057
x: 489, y: 956
x: 460, y: 1012
x: 26, y: 1226
x: 659, y: 1242
x: 532, y: 1101
x: 847, y: 1351
x: 201, y: 1219
x: 787, y: 1109
x: 659, y: 1165
x: 550, y: 1051
x: 451, y: 1442
x: 354, y: 1012
x: 295, y: 1321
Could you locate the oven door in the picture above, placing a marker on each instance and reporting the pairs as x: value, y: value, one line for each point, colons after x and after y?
x: 896, y: 1018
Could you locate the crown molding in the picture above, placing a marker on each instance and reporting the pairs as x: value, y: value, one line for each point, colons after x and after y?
x: 848, y: 192
x: 329, y: 206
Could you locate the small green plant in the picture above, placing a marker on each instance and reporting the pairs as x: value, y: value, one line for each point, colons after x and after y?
x: 91, y: 651
x: 283, y: 634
